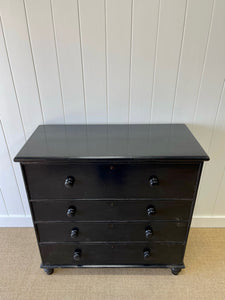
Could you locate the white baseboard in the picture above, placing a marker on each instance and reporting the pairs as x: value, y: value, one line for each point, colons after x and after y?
x: 15, y: 221
x: 208, y: 221
x: 25, y: 221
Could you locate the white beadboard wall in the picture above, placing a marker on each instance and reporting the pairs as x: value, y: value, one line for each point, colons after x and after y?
x: 112, y: 61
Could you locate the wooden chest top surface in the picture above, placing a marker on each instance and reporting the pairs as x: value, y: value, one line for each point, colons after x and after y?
x: 79, y: 142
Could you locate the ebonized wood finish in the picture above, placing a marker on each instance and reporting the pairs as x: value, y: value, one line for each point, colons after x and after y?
x: 112, y: 195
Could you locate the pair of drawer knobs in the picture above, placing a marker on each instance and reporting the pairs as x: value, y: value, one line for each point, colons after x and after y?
x: 78, y: 253
x: 72, y: 211
x: 148, y: 232
x: 70, y: 180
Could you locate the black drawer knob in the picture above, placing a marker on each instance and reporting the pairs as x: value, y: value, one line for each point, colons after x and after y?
x: 154, y: 181
x: 147, y: 253
x: 69, y: 182
x: 151, y: 210
x: 74, y: 233
x: 148, y: 232
x: 77, y: 255
x: 71, y: 212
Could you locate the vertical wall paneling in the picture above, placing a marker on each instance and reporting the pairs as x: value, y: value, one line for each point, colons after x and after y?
x: 214, y: 170
x: 219, y: 209
x: 213, y: 77
x: 9, y: 109
x: 11, y: 122
x: 145, y: 21
x: 208, y: 105
x: 171, y: 27
x: 65, y: 18
x: 43, y: 46
x: 99, y: 61
x: 3, y: 210
x: 92, y: 30
x: 8, y: 183
x: 17, y: 41
x: 192, y: 58
x: 217, y: 151
x: 118, y: 26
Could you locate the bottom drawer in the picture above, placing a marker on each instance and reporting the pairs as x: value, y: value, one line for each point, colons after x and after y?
x: 111, y: 254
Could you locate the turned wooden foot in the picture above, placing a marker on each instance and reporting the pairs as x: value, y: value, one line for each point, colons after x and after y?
x: 175, y: 271
x: 49, y: 271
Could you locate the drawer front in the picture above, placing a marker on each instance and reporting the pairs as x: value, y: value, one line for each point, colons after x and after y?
x: 111, y: 210
x: 109, y: 232
x: 111, y: 254
x: 111, y: 181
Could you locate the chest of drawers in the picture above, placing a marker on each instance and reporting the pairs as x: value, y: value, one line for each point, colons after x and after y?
x: 112, y: 195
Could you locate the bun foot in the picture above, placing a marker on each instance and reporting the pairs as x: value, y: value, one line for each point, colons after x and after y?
x: 49, y: 271
x: 175, y: 271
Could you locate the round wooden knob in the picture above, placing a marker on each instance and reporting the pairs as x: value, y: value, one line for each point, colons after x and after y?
x: 153, y: 181
x: 74, y: 233
x: 148, y: 232
x: 146, y: 253
x: 151, y: 210
x: 69, y: 182
x: 71, y: 212
x: 77, y: 255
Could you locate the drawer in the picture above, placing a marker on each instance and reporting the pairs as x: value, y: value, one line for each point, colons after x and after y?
x: 83, y: 181
x: 111, y: 210
x: 111, y: 231
x: 111, y: 254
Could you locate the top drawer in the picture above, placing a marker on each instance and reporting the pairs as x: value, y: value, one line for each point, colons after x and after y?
x: 116, y: 180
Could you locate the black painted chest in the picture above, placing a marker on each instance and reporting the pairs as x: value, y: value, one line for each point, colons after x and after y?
x: 112, y: 195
